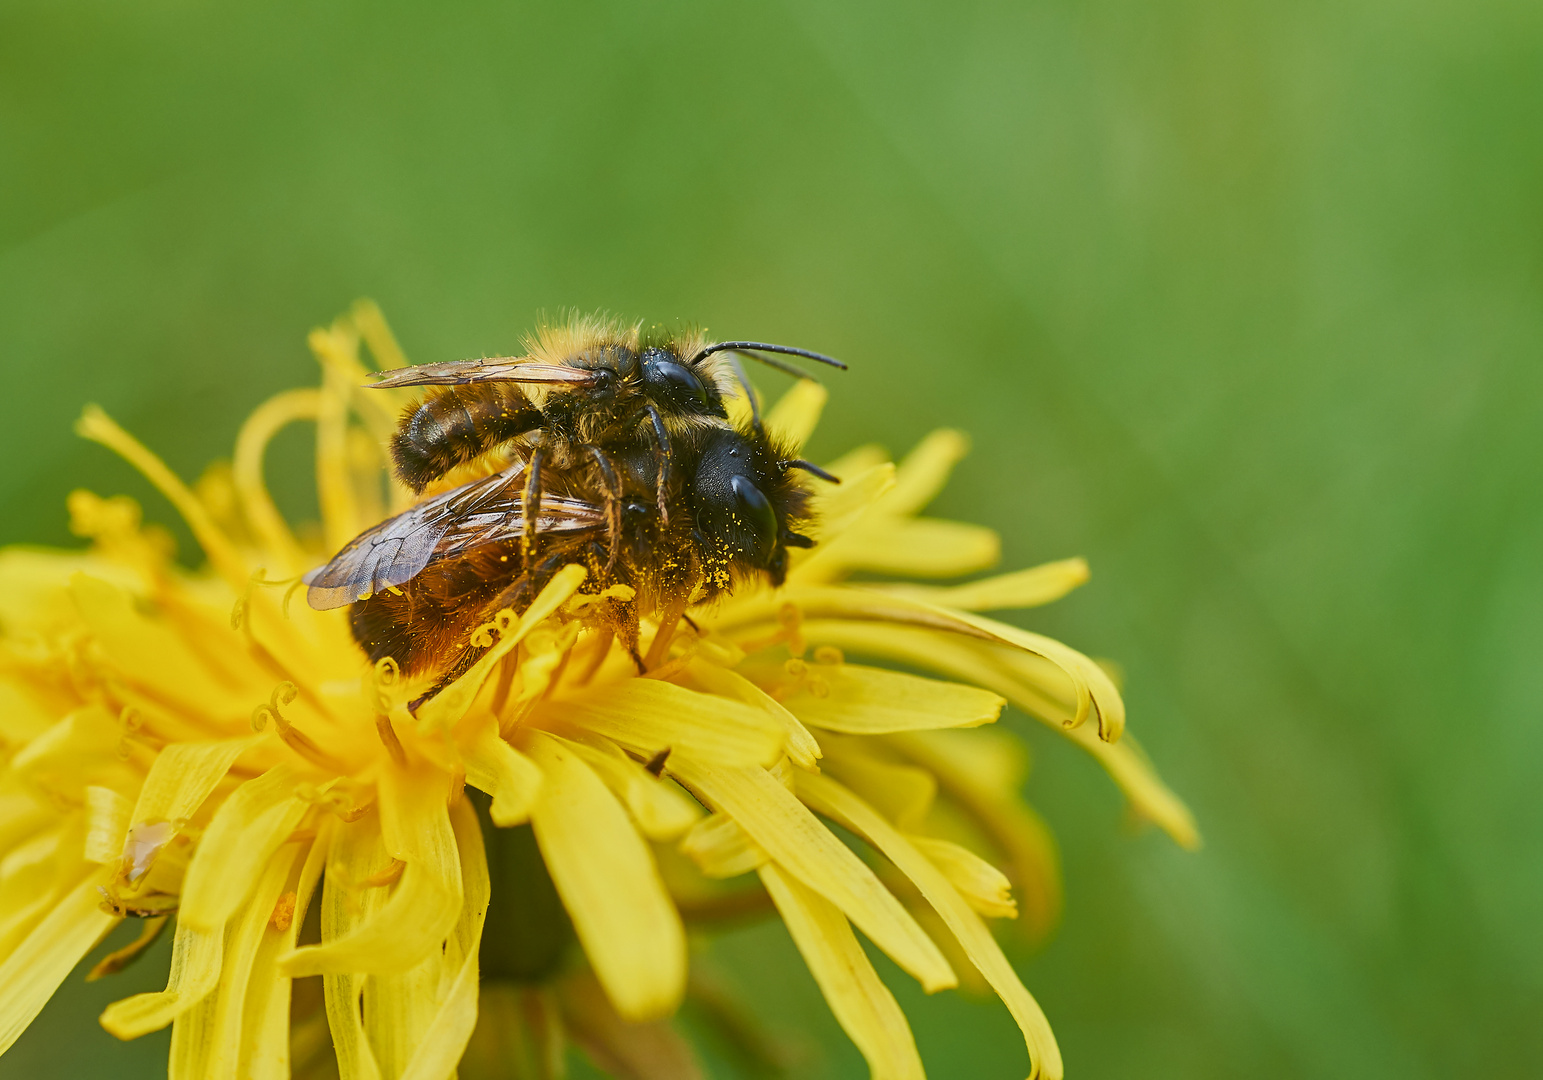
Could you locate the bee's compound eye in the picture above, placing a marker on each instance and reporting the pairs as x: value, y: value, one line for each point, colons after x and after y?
x: 674, y: 383
x: 754, y: 516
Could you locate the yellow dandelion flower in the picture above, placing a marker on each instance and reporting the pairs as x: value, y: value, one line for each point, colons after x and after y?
x: 191, y: 749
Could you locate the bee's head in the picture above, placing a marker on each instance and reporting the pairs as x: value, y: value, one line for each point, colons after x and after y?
x: 677, y: 385
x: 746, y: 503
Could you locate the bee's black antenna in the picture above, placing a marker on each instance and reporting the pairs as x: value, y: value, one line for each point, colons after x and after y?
x: 744, y: 382
x: 811, y: 467
x: 751, y: 348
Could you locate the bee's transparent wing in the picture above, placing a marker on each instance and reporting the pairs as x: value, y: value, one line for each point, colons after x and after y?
x: 491, y: 369
x: 396, y: 551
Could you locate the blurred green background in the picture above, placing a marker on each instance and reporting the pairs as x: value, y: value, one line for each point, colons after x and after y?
x: 1239, y: 300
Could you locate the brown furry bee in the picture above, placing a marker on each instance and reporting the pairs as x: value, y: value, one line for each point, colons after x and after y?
x: 623, y: 459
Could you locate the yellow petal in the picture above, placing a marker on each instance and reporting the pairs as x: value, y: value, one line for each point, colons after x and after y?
x: 647, y: 715
x: 337, y: 348
x: 96, y: 425
x: 801, y: 746
x: 838, y: 509
x: 29, y: 882
x: 30, y: 975
x: 857, y: 461
x: 991, y: 665
x: 796, y: 840
x: 195, y: 971
x: 424, y: 903
x: 835, y: 801
x: 796, y: 413
x: 925, y: 470
x: 444, y: 1039
x: 985, y: 783
x: 863, y: 1005
x: 77, y: 751
x: 206, y: 1041
x: 234, y: 850
x: 1094, y: 692
x: 264, y: 1048
x: 247, y: 473
x: 912, y: 547
x: 452, y: 702
x: 401, y: 1009
x: 148, y: 652
x: 356, y: 853
x: 608, y: 882
x: 178, y: 783
x: 22, y: 717
x: 858, y: 700
x: 993, y: 760
x: 721, y: 848
x: 661, y: 810
x: 903, y: 793
x: 107, y: 820
x: 23, y: 813
x: 493, y: 766
x: 1021, y: 589
x: 983, y: 886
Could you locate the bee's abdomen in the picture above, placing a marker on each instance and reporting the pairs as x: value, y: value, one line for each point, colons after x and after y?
x: 456, y: 425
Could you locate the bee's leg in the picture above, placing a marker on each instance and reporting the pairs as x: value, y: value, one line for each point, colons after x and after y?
x: 460, y: 666
x: 612, y: 503
x: 666, y: 460
x: 532, y: 503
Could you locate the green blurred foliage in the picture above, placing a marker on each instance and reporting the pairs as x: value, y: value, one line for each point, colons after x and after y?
x: 1240, y: 300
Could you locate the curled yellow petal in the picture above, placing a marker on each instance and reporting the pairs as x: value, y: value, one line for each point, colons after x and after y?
x: 982, y: 885
x: 96, y: 425
x: 247, y: 471
x: 863, y: 1005
x: 796, y: 840
x: 608, y: 882
x: 835, y: 801
x: 195, y: 971
x: 424, y: 903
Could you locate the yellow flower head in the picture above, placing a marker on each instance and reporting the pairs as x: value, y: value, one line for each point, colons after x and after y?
x: 196, y: 747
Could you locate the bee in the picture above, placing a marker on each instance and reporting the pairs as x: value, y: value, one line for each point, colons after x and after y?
x: 621, y: 456
x: 585, y: 388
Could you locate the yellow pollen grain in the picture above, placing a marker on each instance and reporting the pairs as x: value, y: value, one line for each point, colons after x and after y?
x: 283, y: 912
